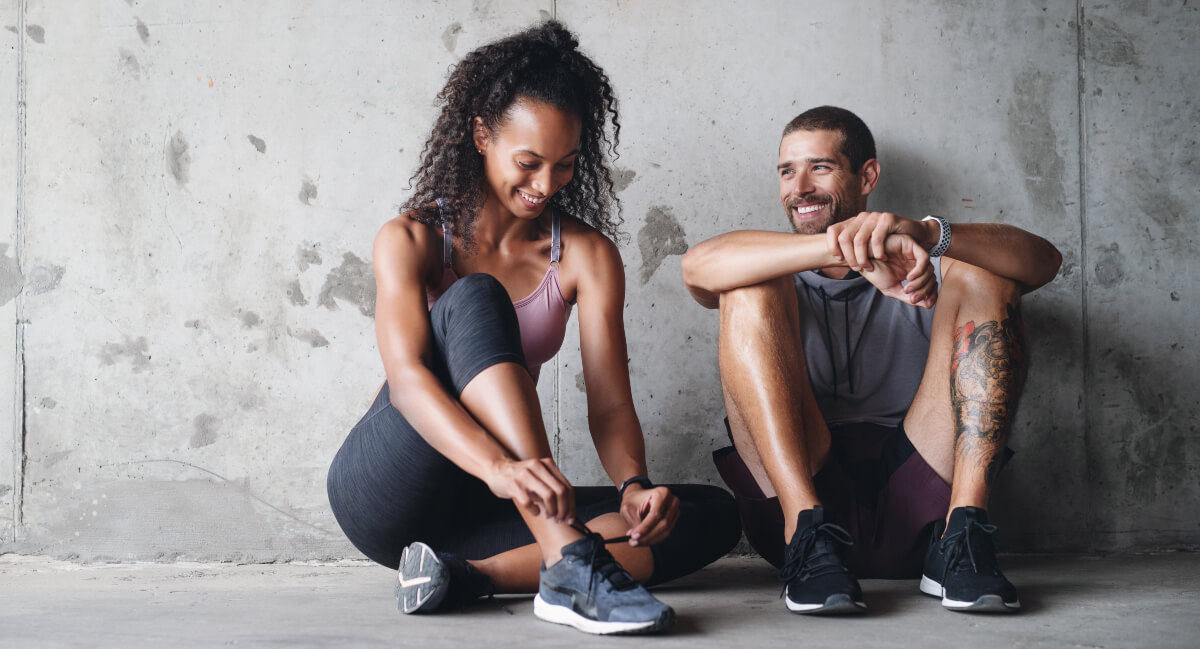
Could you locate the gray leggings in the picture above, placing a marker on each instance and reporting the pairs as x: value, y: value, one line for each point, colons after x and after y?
x: 387, y: 487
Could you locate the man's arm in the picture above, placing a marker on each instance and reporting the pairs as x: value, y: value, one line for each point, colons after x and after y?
x: 748, y: 257
x: 1003, y: 250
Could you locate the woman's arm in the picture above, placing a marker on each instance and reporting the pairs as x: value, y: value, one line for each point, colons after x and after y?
x: 401, y: 253
x: 613, y: 422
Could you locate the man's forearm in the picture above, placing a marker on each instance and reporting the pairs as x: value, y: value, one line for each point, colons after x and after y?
x: 748, y: 257
x: 1006, y: 251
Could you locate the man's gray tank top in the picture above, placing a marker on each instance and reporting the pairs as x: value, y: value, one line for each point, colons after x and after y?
x: 865, y: 351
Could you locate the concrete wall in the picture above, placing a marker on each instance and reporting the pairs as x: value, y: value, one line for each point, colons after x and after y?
x: 203, y: 181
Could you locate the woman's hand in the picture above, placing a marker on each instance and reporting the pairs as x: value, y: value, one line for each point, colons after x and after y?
x: 535, y: 484
x: 651, y: 513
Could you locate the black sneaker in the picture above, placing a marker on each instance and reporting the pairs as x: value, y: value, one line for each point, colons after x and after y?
x: 818, y: 580
x: 961, y: 567
x: 428, y: 581
x: 589, y: 590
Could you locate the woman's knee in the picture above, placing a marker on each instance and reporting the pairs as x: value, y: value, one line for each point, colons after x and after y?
x: 477, y: 286
x: 475, y: 317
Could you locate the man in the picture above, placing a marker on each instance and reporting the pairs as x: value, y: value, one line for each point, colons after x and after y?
x: 868, y: 425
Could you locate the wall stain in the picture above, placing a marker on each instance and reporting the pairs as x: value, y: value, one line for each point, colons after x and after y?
x: 659, y: 237
x: 580, y: 384
x: 308, y: 191
x: 1154, y: 451
x: 54, y: 458
x: 1070, y: 264
x: 11, y: 279
x: 43, y: 279
x: 48, y: 403
x: 204, y: 431
x: 310, y: 336
x: 622, y: 177
x: 143, y: 31
x: 352, y: 281
x: 1157, y: 201
x: 36, y: 32
x: 295, y: 294
x: 1108, y: 44
x: 258, y: 143
x: 129, y: 63
x: 248, y: 318
x: 450, y: 36
x: 1110, y: 270
x: 136, y: 352
x: 11, y: 28
x: 308, y: 256
x: 194, y: 324
x: 1035, y: 144
x: 178, y: 158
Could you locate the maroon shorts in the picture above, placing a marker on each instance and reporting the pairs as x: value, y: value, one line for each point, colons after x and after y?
x: 874, y: 484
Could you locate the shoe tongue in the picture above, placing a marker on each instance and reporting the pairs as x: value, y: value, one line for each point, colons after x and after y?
x: 810, y: 517
x: 582, y: 547
x: 960, y: 516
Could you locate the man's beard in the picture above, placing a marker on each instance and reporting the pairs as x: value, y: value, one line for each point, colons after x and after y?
x: 837, y: 214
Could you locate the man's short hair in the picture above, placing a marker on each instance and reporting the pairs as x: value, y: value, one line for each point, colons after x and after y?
x: 857, y: 144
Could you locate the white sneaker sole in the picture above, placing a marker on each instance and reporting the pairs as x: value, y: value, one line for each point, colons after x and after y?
x: 839, y: 604
x: 563, y: 615
x: 419, y: 579
x: 985, y: 603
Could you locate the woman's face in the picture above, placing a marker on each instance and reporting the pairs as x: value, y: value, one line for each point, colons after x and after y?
x: 529, y: 157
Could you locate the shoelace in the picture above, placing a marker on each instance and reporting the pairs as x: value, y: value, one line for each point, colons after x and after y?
x: 824, y: 562
x: 602, y: 563
x: 952, y: 544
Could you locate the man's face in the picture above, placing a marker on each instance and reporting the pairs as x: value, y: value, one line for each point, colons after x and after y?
x: 816, y: 183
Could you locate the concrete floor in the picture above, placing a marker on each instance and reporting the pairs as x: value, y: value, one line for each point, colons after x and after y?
x: 1069, y: 601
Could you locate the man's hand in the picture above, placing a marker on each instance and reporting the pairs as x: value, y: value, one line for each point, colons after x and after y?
x: 862, y: 239
x: 904, y: 272
x: 651, y: 513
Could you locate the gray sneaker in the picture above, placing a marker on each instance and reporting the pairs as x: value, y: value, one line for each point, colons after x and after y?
x: 429, y: 581
x: 590, y: 591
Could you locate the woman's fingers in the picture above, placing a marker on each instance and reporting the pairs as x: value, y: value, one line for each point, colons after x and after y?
x: 662, y: 525
x: 657, y: 513
x: 538, y: 485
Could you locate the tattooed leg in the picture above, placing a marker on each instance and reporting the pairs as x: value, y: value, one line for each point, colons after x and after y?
x: 986, y: 374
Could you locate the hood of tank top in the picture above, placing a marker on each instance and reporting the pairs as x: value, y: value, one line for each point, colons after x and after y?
x: 842, y: 308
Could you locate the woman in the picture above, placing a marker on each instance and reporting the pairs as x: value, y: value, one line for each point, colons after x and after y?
x: 449, y: 475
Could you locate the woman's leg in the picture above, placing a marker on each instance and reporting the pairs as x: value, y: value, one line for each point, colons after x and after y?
x: 476, y: 330
x: 708, y: 528
x: 387, y: 487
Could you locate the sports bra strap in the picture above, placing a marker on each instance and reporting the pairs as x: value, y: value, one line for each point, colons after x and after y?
x: 447, y: 238
x: 555, y: 240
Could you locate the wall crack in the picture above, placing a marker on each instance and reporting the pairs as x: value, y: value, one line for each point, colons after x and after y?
x: 19, y: 433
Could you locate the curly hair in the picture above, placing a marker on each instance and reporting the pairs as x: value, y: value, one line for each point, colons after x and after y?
x: 544, y: 64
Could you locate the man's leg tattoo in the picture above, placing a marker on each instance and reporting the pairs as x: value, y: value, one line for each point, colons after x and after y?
x: 986, y: 375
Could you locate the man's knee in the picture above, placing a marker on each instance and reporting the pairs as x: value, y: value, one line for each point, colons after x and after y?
x: 757, y: 303
x: 976, y: 285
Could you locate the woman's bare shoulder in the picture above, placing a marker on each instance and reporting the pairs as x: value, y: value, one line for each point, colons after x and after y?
x: 585, y: 239
x: 404, y: 239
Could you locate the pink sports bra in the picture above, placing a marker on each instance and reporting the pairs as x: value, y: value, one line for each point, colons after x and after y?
x: 542, y: 315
